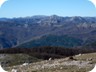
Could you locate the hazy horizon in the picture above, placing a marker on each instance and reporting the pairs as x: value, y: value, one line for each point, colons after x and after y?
x: 24, y: 8
x: 44, y: 15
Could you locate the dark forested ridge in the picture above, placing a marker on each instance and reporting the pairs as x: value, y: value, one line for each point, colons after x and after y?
x: 47, y: 52
x: 53, y: 40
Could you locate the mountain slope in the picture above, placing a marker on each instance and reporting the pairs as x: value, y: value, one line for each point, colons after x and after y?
x: 15, y: 31
x: 52, y: 40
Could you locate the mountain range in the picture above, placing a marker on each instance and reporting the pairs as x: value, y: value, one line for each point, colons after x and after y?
x: 52, y: 30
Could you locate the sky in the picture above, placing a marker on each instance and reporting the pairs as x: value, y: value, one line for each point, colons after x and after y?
x: 23, y: 8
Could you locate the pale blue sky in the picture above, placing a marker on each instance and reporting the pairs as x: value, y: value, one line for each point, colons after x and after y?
x: 23, y: 8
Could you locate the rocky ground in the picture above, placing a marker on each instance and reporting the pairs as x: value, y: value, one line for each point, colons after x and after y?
x: 77, y: 63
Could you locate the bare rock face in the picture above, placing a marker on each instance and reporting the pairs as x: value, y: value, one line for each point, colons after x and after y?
x: 50, y: 59
x: 89, y: 59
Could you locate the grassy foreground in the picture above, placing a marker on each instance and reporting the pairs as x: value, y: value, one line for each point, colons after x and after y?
x: 79, y: 63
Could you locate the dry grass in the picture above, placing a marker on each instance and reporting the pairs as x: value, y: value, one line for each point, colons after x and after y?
x: 83, y: 63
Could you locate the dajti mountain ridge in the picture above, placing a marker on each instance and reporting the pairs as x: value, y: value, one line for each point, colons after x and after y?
x: 47, y: 31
